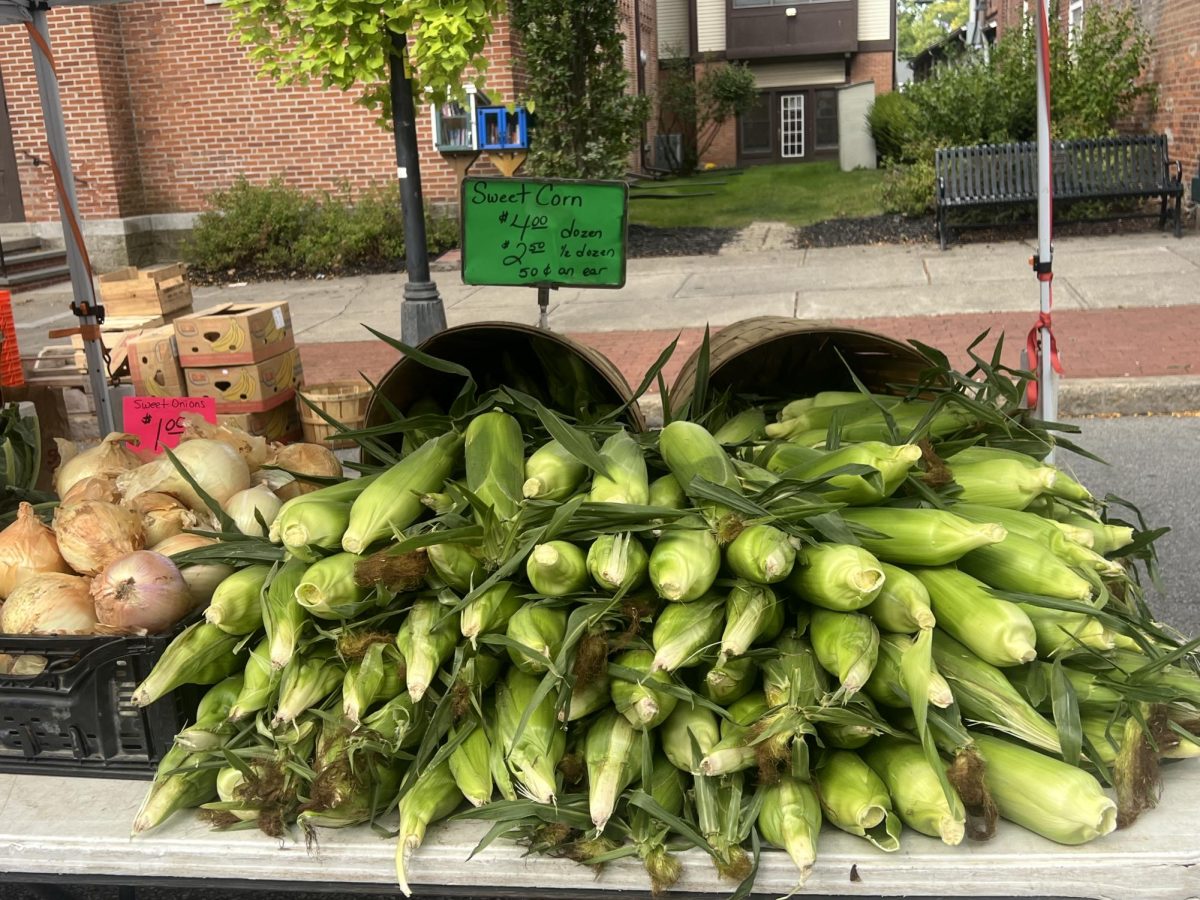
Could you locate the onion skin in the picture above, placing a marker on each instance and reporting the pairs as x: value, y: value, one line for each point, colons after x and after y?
x: 304, y: 459
x: 32, y: 608
x: 94, y: 487
x: 202, y: 579
x: 109, y: 459
x: 93, y: 533
x: 141, y: 593
x: 217, y: 467
x: 27, y: 548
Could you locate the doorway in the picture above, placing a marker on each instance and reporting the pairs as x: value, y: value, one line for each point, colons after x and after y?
x: 789, y: 125
x: 11, y: 207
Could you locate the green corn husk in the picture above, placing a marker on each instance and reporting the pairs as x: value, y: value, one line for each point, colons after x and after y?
x: 748, y: 425
x: 683, y: 631
x: 347, y: 796
x: 1182, y: 683
x: 684, y: 562
x: 541, y: 628
x: 392, y: 501
x: 1106, y: 539
x: 494, y: 450
x: 1006, y: 483
x: 236, y: 604
x: 688, y: 735
x: 185, y: 789
x: 306, y: 681
x: 557, y: 568
x: 753, y: 615
x: 1092, y: 694
x: 426, y: 640
x: 1107, y: 735
x: 490, y: 611
x: 736, y: 752
x: 200, y: 654
x: 328, y: 589
x: 690, y: 451
x: 916, y: 790
x: 456, y: 566
x: 996, y: 630
x: 856, y: 800
x: 790, y: 818
x: 343, y: 492
x: 613, y: 757
x: 470, y: 764
x: 229, y: 781
x: 762, y: 554
x: 892, y: 462
x: 885, y: 687
x: 729, y: 681
x: 847, y: 735
x: 1047, y: 796
x: 846, y: 645
x: 211, y: 727
x: 618, y: 562
x: 284, y: 619
x: 794, y: 677
x: 903, y: 606
x: 1062, y: 632
x: 1048, y: 533
x: 1064, y: 485
x: 666, y: 493
x: 921, y: 537
x: 638, y: 701
x: 1021, y: 564
x: 985, y: 695
x: 259, y: 685
x: 308, y: 528
x: 836, y: 576
x: 796, y: 418
x: 627, y: 481
x: 379, y: 675
x: 588, y: 698
x: 666, y: 788
x: 532, y: 756
x: 398, y: 724
x: 551, y: 473
x: 433, y: 796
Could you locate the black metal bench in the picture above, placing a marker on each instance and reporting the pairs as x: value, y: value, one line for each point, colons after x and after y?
x: 1096, y: 169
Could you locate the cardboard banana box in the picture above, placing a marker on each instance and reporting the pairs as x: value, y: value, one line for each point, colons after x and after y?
x: 234, y: 334
x: 252, y: 388
x: 280, y: 424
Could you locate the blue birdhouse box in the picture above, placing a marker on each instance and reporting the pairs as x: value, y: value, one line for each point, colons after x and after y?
x: 501, y: 128
x: 455, y: 122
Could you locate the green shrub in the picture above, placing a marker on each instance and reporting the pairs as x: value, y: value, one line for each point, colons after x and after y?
x: 893, y: 123
x: 272, y: 228
x: 909, y: 188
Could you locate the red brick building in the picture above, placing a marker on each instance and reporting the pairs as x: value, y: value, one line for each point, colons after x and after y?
x: 1175, y: 27
x: 162, y: 108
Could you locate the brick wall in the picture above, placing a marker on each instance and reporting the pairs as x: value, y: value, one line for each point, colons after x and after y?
x: 879, y: 67
x: 723, y: 149
x: 162, y: 108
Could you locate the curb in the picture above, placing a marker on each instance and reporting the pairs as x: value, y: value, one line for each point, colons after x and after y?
x: 1077, y: 398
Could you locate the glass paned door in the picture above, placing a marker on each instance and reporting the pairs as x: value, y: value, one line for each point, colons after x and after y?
x: 791, y: 126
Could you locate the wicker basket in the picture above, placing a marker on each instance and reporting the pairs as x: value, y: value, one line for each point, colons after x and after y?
x: 345, y: 401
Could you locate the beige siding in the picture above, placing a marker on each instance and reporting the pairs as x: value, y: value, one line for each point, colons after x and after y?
x: 672, y: 28
x: 817, y: 71
x: 710, y: 26
x: 875, y: 20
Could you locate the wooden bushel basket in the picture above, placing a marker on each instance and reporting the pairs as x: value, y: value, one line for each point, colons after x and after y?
x: 345, y: 401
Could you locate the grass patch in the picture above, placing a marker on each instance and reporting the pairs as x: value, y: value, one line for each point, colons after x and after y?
x: 797, y: 193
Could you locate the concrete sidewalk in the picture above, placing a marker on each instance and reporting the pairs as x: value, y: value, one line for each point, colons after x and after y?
x: 1126, y: 307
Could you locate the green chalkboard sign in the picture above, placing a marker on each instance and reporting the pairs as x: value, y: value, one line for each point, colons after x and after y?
x: 544, y: 232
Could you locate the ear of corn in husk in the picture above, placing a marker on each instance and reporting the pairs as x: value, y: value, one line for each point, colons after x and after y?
x: 916, y: 790
x: 762, y: 554
x: 1006, y: 483
x: 379, y: 675
x: 684, y: 562
x: 541, y: 628
x: 533, y: 755
x: 1090, y: 692
x: 588, y: 698
x: 794, y: 677
x: 259, y: 684
x: 748, y: 425
x: 683, y: 631
x: 856, y: 800
x: 638, y: 700
x: 1064, y: 485
x: 1022, y: 564
x: 985, y: 695
x: 1048, y: 796
x: 847, y: 735
x: 996, y: 630
x: 494, y: 450
x: 666, y: 787
x: 1046, y: 532
x: 200, y: 654
x: 690, y: 451
x: 470, y: 764
x: 903, y: 605
x: 893, y: 464
x: 921, y: 537
x: 1106, y: 538
x: 456, y: 566
x: 885, y: 686
x: 836, y: 576
x: 847, y: 647
x: 551, y: 473
x: 392, y: 501
x: 284, y: 618
x: 736, y: 752
x: 306, y: 681
x: 211, y: 727
x: 490, y: 611
x: 666, y: 493
x: 612, y: 754
x: 618, y: 562
x: 626, y: 480
x: 236, y: 604
x: 729, y: 681
x: 557, y: 568
x: 192, y: 785
x: 753, y: 614
x: 328, y: 589
x: 790, y: 818
x: 307, y: 526
x: 1062, y: 632
x: 426, y: 640
x: 433, y: 796
x: 397, y: 724
x: 688, y: 735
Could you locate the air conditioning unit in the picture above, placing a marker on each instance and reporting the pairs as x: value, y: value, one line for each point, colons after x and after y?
x: 668, y: 151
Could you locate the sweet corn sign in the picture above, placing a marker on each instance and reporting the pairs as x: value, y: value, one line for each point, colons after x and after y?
x: 541, y: 232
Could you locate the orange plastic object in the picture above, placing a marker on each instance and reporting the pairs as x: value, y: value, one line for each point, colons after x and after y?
x: 10, y: 354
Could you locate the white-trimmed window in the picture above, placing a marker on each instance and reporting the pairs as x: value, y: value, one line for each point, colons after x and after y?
x: 1074, y: 19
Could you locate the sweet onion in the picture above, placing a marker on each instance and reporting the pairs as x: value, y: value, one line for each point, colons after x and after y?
x: 216, y: 467
x: 93, y: 533
x: 245, y: 508
x: 304, y: 459
x: 50, y: 603
x: 202, y: 579
x: 140, y: 593
x: 110, y: 458
x: 162, y: 516
x: 27, y: 548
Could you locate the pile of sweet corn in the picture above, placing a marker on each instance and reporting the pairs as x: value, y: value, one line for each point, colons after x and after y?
x: 850, y: 609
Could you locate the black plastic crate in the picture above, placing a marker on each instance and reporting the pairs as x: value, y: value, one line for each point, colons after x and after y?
x: 77, y: 717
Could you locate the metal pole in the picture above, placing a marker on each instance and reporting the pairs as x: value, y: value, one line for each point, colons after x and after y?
x: 1047, y: 406
x: 544, y: 308
x: 422, y: 314
x: 82, y: 288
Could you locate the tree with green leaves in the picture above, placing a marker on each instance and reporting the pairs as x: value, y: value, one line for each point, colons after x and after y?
x: 696, y: 108
x: 587, y: 120
x: 922, y: 23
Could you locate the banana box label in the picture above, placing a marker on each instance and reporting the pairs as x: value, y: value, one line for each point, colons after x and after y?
x: 256, y: 387
x: 234, y: 333
x: 154, y: 363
